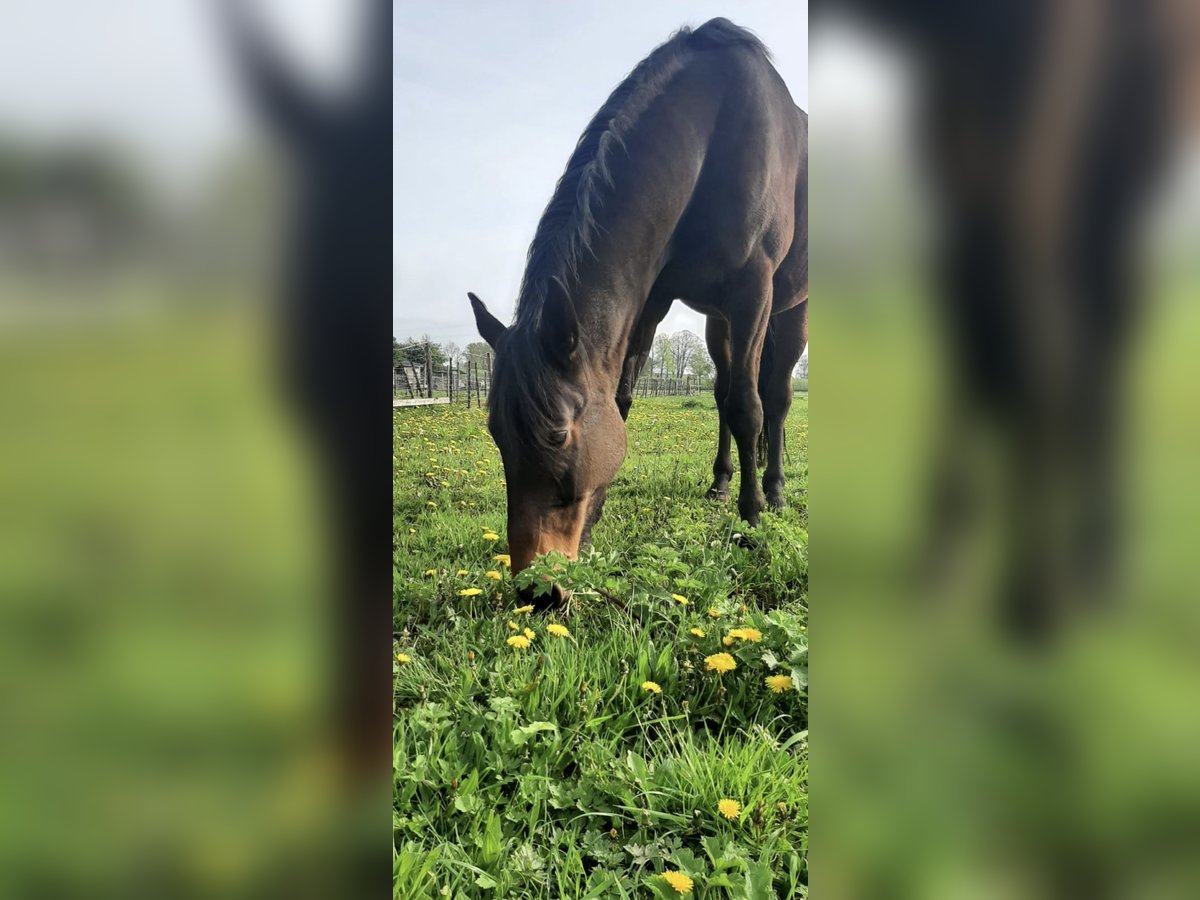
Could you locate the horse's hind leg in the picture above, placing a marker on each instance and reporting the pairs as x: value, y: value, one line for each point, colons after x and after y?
x: 716, y: 335
x: 791, y: 334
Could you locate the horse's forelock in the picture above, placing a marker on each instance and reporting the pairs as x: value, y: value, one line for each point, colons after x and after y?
x: 524, y: 393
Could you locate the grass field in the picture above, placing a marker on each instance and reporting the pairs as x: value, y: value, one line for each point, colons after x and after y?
x: 595, y: 760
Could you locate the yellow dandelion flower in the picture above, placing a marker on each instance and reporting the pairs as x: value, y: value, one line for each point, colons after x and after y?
x: 746, y: 634
x: 727, y: 640
x: 730, y: 809
x: 470, y: 592
x: 431, y: 571
x: 558, y: 630
x: 412, y: 531
x: 431, y: 504
x: 444, y: 483
x: 680, y: 599
x: 518, y: 642
x: 524, y: 609
x: 679, y: 882
x: 513, y: 626
x: 503, y: 558
x: 530, y: 633
x: 493, y: 574
x: 491, y: 536
x: 698, y: 632
x: 714, y: 613
x: 651, y: 686
x: 720, y: 663
x: 403, y: 658
x: 779, y: 683
x: 461, y: 572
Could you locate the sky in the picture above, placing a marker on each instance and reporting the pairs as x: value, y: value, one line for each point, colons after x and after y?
x: 488, y: 101
x: 153, y: 77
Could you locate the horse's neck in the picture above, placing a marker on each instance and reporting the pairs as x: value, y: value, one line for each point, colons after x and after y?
x: 633, y: 236
x: 615, y: 284
x: 607, y: 323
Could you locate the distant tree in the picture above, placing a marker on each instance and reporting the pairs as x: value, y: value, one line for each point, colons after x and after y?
x: 452, y: 352
x: 477, y: 352
x: 683, y: 346
x: 76, y: 205
x: 701, y: 364
x: 660, y: 354
x: 412, y: 350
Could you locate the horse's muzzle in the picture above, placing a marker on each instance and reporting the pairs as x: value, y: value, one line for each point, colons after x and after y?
x: 553, y: 600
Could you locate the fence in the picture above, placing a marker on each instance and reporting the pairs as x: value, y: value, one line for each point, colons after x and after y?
x: 670, y: 386
x: 465, y: 382
x: 469, y: 381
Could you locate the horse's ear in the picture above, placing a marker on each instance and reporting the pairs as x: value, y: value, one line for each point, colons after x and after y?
x: 490, y: 328
x: 275, y: 90
x: 560, y: 325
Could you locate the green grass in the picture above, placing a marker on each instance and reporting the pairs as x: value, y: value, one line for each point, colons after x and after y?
x: 550, y: 771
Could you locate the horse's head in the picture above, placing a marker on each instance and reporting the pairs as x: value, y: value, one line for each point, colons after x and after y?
x: 555, y: 419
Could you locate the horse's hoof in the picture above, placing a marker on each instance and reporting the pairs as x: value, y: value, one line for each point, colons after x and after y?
x: 776, y: 502
x: 718, y: 495
x: 751, y: 512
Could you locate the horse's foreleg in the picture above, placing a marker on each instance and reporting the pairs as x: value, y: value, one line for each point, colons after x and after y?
x: 640, y: 343
x: 749, y: 306
x: 791, y: 335
x: 716, y: 335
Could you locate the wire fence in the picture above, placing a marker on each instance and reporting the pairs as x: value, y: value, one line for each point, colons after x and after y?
x: 468, y: 381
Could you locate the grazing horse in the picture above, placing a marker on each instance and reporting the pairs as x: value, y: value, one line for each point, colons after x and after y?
x: 690, y: 183
x: 333, y: 301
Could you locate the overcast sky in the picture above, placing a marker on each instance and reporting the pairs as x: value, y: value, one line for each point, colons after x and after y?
x: 153, y: 77
x: 488, y: 102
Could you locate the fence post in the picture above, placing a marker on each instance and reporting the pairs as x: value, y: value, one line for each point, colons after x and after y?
x: 428, y: 371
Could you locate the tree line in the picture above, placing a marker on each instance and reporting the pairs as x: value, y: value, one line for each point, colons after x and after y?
x: 672, y: 355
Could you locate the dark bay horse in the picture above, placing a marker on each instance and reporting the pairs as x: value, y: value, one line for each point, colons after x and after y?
x: 1041, y: 201
x: 690, y: 183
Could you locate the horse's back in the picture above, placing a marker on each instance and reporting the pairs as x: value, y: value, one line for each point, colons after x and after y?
x: 749, y: 204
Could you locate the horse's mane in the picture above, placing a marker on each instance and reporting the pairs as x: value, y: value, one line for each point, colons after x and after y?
x: 568, y: 226
x: 526, y: 384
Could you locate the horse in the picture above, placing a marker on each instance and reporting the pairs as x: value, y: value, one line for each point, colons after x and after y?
x: 1042, y: 201
x: 332, y: 300
x: 690, y: 183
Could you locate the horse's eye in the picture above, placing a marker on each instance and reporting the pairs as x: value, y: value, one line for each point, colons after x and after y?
x: 558, y: 438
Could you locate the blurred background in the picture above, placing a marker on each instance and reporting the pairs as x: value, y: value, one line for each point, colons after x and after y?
x: 1005, y: 703
x: 1006, y: 213
x: 171, y: 598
